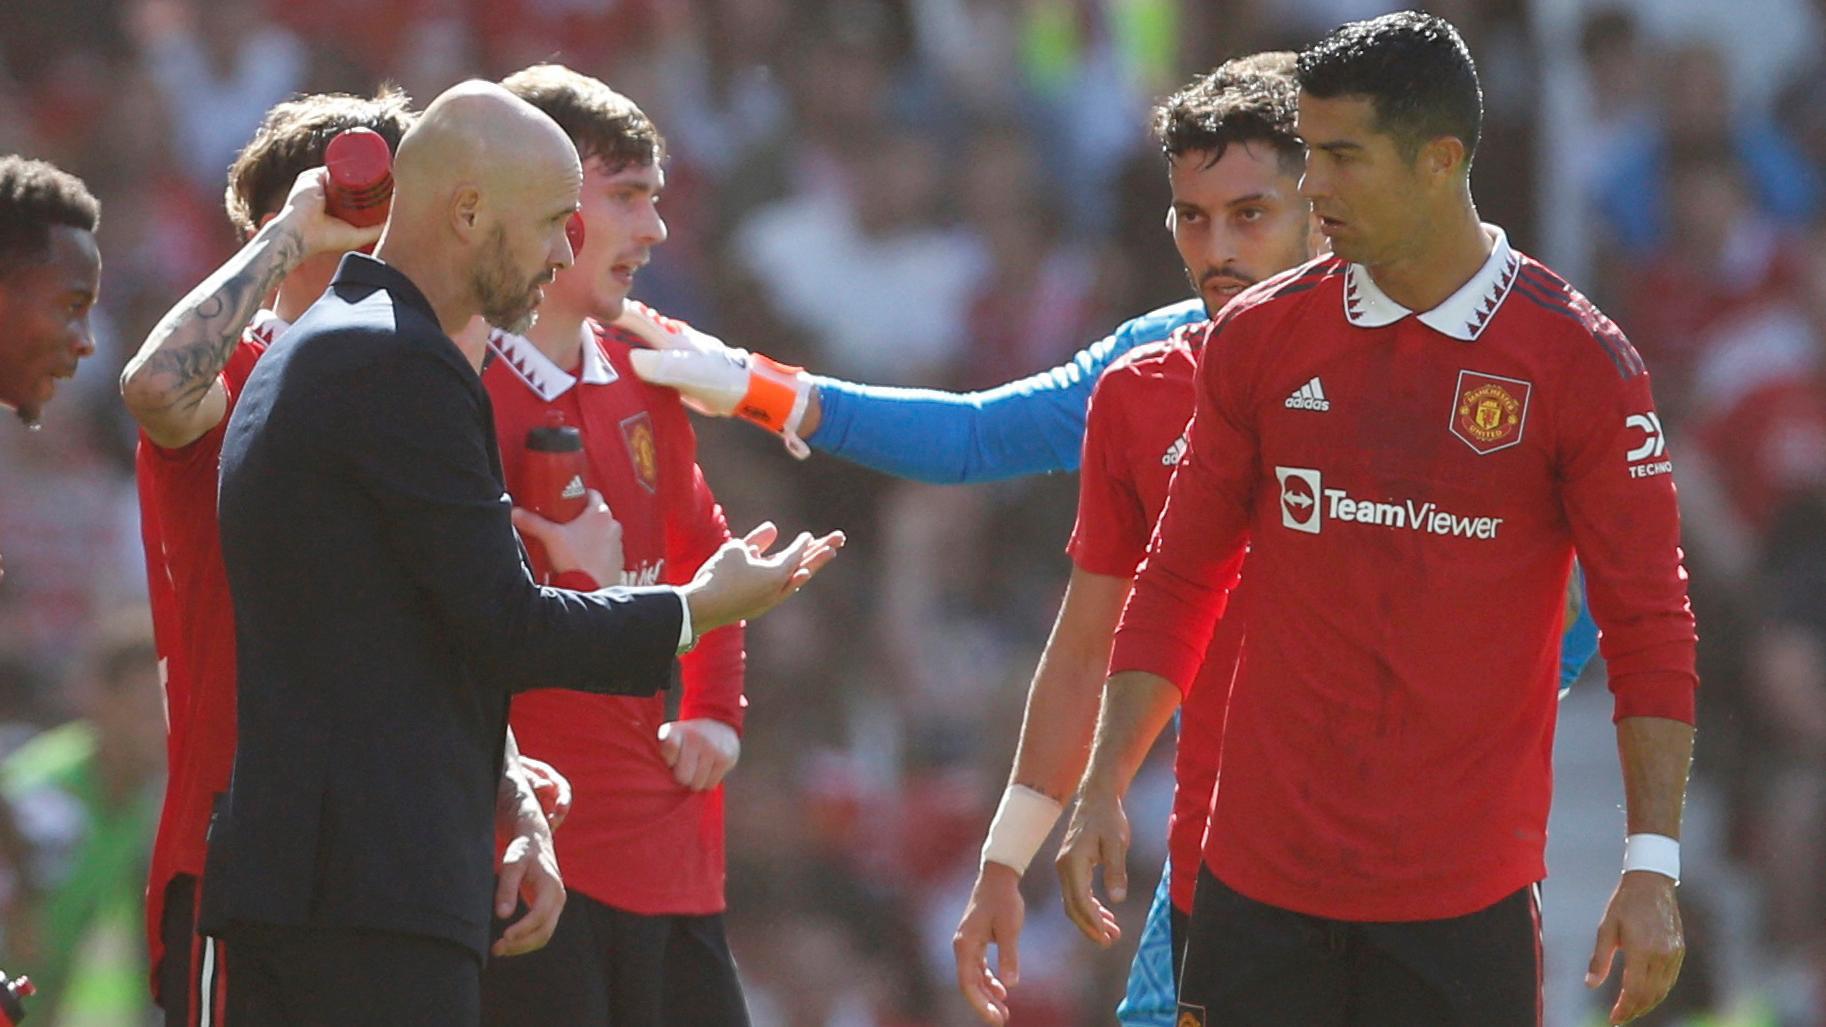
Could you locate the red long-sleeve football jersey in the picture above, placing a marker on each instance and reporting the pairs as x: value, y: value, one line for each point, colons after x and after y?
x: 1413, y: 487
x: 193, y: 624
x: 1134, y: 439
x: 636, y: 839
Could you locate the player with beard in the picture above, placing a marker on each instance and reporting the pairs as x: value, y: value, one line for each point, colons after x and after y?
x: 384, y: 613
x: 181, y: 387
x: 642, y: 938
x: 1233, y: 163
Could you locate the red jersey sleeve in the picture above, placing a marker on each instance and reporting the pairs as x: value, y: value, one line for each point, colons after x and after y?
x: 712, y: 673
x: 1111, y: 533
x: 1617, y: 488
x: 1193, y: 561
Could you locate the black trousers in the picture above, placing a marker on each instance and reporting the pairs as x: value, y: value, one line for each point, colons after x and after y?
x: 1250, y: 963
x: 606, y: 967
x: 346, y: 977
x: 191, y: 978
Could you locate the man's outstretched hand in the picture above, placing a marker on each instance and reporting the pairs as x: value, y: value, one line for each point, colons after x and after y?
x: 742, y: 580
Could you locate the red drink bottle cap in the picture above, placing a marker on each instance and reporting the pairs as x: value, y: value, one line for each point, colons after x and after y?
x: 361, y: 176
x: 358, y: 159
x: 573, y: 230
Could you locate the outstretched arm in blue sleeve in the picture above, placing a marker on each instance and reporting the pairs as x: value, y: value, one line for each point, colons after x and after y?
x: 1030, y: 426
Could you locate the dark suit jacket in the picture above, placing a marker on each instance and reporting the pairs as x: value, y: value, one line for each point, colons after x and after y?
x: 383, y: 616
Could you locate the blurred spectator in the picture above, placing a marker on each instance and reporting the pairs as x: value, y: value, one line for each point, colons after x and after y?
x: 1789, y: 667
x: 70, y: 545
x: 219, y: 65
x: 84, y: 798
x: 864, y: 265
x: 1722, y: 306
x: 1698, y: 111
x: 1035, y: 304
x: 1798, y: 108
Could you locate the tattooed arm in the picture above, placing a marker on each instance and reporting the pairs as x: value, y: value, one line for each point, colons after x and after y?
x: 172, y: 385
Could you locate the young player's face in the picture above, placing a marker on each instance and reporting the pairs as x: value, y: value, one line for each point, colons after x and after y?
x: 1236, y: 221
x: 44, y: 320
x: 525, y: 250
x: 621, y: 225
x: 1363, y: 190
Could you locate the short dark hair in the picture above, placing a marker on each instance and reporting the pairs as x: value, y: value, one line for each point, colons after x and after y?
x: 1246, y: 100
x: 601, y: 122
x: 34, y: 196
x: 1413, y: 67
x: 291, y: 141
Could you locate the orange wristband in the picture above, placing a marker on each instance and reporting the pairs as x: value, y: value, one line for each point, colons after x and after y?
x: 773, y: 390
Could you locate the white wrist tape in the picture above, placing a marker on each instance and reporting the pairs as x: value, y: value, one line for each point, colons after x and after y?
x: 1653, y: 852
x: 1021, y: 825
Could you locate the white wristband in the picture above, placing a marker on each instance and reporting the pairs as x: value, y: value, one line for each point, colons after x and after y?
x: 1021, y: 825
x: 1656, y: 853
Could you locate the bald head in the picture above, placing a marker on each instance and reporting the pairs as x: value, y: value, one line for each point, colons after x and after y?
x: 483, y: 185
x: 476, y: 132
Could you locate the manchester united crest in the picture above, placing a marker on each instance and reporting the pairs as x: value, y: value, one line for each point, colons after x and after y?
x: 1190, y: 1015
x: 643, y: 451
x: 1489, y: 411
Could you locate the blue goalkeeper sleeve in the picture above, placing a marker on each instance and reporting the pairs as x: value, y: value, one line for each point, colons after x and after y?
x: 1031, y: 426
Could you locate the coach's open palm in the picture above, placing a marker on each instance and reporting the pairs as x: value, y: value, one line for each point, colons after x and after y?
x: 741, y: 580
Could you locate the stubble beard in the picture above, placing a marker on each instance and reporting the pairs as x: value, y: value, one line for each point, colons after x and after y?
x: 507, y: 303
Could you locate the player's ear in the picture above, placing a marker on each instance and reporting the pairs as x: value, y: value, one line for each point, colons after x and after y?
x: 466, y: 212
x: 1443, y: 156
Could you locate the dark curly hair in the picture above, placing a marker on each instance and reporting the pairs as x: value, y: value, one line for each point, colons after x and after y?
x: 291, y: 141
x: 603, y: 123
x: 34, y: 196
x: 1413, y: 67
x: 1248, y: 99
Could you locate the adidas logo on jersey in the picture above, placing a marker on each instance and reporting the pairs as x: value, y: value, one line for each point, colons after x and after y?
x: 1177, y: 451
x: 574, y: 488
x: 1310, y: 396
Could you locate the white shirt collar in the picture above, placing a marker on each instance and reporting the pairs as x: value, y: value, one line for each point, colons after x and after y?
x: 1463, y: 315
x: 544, y: 377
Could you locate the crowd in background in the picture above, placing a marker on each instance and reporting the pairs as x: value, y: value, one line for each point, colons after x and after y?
x: 951, y: 193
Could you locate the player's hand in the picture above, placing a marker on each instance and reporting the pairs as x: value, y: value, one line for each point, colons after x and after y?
x: 741, y: 580
x: 529, y: 870
x: 667, y: 333
x: 1097, y: 836
x: 1642, y: 921
x: 711, y: 382
x: 700, y: 751
x: 993, y: 916
x: 552, y: 789
x: 305, y: 212
x: 591, y: 543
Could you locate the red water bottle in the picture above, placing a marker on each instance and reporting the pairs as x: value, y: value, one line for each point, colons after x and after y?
x: 361, y: 177
x: 13, y: 993
x: 573, y: 231
x: 553, y: 480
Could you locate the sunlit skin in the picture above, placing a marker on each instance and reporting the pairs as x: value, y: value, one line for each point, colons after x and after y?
x: 484, y: 185
x: 1238, y: 220
x: 44, y: 320
x: 622, y: 225
x: 1410, y: 221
